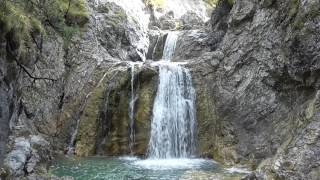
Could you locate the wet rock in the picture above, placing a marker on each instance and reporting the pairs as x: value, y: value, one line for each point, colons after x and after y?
x: 116, y: 121
x: 89, y: 119
x: 105, y: 130
x: 157, y: 42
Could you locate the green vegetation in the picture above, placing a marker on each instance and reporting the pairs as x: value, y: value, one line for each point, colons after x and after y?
x: 299, y: 16
x: 231, y: 2
x: 22, y: 19
x: 215, y: 2
x: 212, y: 2
x: 155, y: 3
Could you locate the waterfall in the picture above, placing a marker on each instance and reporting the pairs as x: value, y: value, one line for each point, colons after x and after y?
x: 173, y: 124
x: 170, y: 46
x: 133, y: 99
x: 131, y: 110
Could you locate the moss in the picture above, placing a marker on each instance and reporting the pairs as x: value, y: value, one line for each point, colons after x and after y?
x: 314, y: 12
x: 158, y: 49
x: 87, y: 136
x: 231, y: 2
x: 212, y: 2
x: 102, y: 8
x: 300, y: 17
x: 116, y: 16
x: 76, y: 12
x: 118, y: 103
x: 146, y: 94
x: 294, y: 7
x: 68, y: 33
x: 23, y: 19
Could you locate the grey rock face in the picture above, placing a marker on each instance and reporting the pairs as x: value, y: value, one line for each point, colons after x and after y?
x: 191, y: 44
x: 118, y: 35
x: 264, y: 92
x: 191, y: 20
x: 167, y: 21
x: 17, y: 158
x: 8, y: 99
x: 27, y: 153
x: 157, y: 42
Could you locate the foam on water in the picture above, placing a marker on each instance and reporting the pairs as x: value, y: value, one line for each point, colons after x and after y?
x: 238, y: 170
x: 128, y: 158
x: 171, y: 164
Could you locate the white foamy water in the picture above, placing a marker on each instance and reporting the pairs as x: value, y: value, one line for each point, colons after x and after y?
x: 170, y: 46
x: 173, y: 126
x: 171, y: 164
x: 129, y: 158
x: 238, y: 170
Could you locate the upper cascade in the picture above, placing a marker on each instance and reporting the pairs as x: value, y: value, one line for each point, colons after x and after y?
x: 170, y: 46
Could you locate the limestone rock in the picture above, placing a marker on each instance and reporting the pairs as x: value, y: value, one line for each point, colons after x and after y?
x: 191, y: 20
x: 264, y: 93
x: 191, y: 44
x: 17, y: 158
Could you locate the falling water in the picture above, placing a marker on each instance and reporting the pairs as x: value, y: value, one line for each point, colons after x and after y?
x: 133, y: 99
x: 170, y: 46
x: 174, y: 123
x: 131, y: 110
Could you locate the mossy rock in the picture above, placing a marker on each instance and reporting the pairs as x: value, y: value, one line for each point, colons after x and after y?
x: 89, y: 119
x: 117, y: 142
x: 89, y: 123
x: 158, y: 51
x: 148, y: 80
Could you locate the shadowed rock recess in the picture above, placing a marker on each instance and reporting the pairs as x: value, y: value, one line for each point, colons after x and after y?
x: 255, y: 66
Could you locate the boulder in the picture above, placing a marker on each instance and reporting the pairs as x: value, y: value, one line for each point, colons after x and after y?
x: 18, y: 158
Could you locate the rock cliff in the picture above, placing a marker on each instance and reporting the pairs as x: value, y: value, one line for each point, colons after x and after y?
x: 263, y: 79
x: 255, y: 67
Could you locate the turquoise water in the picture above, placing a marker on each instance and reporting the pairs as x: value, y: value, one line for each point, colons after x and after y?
x: 130, y: 168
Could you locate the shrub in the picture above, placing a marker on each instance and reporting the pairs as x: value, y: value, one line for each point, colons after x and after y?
x: 24, y: 18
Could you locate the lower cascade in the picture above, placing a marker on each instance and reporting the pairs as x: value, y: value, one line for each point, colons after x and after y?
x: 174, y: 123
